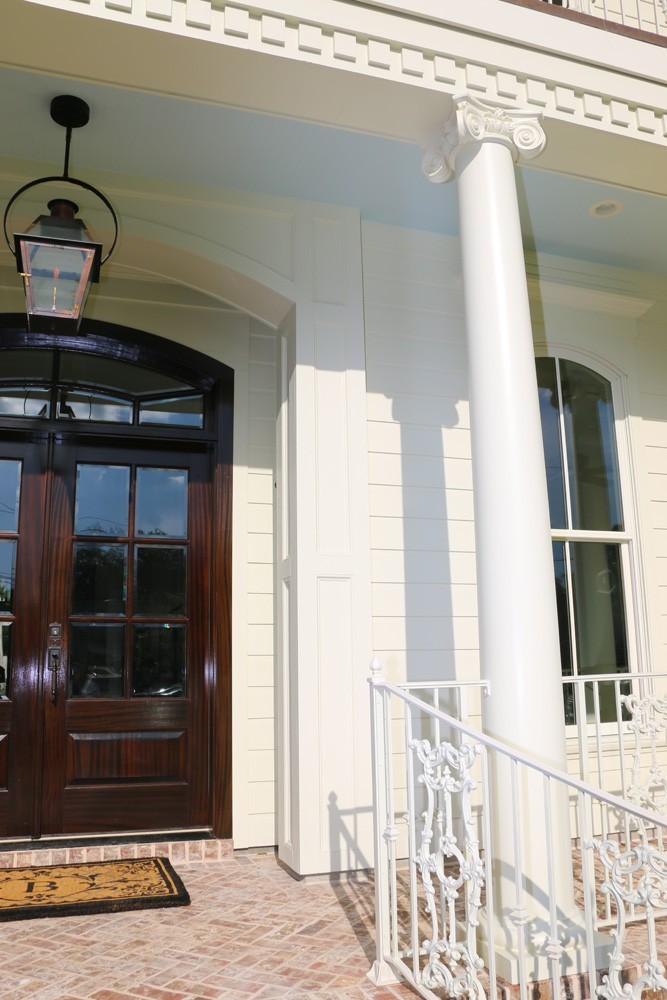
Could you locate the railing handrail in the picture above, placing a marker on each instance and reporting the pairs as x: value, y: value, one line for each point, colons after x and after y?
x: 438, y: 685
x: 622, y: 678
x: 546, y: 770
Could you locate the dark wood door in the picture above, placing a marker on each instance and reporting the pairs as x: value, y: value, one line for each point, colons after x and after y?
x: 106, y: 714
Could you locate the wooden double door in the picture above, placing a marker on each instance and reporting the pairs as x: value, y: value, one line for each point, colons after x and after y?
x: 104, y: 635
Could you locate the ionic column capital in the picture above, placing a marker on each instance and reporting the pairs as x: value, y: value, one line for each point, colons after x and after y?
x: 474, y: 121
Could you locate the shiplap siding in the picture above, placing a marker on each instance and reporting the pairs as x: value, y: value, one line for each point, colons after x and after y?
x: 420, y: 477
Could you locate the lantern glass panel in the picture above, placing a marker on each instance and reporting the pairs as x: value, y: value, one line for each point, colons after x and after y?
x: 57, y: 277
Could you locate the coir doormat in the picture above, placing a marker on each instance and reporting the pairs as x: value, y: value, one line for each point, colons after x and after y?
x: 89, y: 887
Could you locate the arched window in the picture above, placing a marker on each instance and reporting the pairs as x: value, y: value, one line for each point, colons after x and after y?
x: 589, y: 537
x: 77, y: 387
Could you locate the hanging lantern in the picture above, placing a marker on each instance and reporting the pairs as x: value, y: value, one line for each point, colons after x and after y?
x: 57, y: 257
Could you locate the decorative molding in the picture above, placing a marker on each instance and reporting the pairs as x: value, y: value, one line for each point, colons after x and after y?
x: 353, y: 47
x: 473, y: 121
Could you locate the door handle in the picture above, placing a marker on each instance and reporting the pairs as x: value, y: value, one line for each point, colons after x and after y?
x: 54, y: 666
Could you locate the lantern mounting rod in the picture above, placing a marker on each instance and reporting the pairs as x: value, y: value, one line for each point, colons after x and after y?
x: 70, y: 112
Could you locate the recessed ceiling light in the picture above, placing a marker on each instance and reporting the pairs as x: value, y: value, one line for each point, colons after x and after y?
x: 605, y: 209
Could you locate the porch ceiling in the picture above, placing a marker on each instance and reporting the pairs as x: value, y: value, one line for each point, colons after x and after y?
x: 366, y: 155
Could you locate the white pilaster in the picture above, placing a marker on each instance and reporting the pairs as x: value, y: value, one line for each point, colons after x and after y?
x: 323, y: 555
x: 518, y: 626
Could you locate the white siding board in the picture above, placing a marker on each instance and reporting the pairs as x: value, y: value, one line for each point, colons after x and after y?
x: 406, y: 439
x: 411, y: 534
x: 393, y: 567
x: 428, y: 411
x: 405, y: 322
x: 419, y: 470
x: 415, y: 501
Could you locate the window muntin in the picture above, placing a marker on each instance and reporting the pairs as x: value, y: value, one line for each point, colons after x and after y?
x: 67, y: 385
x: 585, y: 507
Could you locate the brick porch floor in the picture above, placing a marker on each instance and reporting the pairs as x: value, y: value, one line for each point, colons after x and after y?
x: 251, y: 931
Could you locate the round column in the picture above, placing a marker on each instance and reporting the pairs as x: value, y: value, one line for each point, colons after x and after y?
x: 518, y: 625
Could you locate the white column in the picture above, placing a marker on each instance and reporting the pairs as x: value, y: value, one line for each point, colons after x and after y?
x: 518, y: 626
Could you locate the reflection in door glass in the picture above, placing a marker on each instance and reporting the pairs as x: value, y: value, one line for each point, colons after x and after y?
x: 102, y: 499
x: 98, y: 586
x: 158, y: 661
x: 7, y: 575
x: 10, y: 488
x: 5, y: 658
x: 96, y: 661
x: 159, y: 580
x: 162, y: 502
x: 22, y: 401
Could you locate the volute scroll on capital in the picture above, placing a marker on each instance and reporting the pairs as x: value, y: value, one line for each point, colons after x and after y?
x: 473, y: 121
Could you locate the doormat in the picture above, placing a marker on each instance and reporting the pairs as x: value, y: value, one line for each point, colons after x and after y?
x: 89, y: 887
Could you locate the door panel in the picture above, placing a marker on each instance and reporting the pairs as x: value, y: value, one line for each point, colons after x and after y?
x: 126, y: 731
x: 104, y: 646
x: 23, y: 501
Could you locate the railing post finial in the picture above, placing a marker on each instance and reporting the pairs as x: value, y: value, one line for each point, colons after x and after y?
x: 376, y: 670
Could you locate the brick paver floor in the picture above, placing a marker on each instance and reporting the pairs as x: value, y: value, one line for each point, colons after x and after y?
x: 251, y: 931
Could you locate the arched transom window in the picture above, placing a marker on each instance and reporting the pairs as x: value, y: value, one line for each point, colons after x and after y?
x: 72, y: 386
x: 589, y: 536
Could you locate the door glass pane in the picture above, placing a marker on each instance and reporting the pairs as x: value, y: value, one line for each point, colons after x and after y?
x: 99, y: 579
x: 10, y: 489
x: 162, y: 502
x: 109, y: 373
x: 591, y: 449
x: 73, y: 404
x: 97, y: 656
x: 31, y: 365
x: 19, y: 401
x: 5, y: 657
x: 550, y: 415
x: 7, y: 576
x: 599, y: 615
x: 564, y: 635
x: 182, y: 411
x: 159, y: 580
x: 158, y: 660
x: 102, y: 499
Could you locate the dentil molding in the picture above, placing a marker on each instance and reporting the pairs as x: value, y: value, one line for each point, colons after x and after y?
x: 374, y: 43
x: 474, y: 121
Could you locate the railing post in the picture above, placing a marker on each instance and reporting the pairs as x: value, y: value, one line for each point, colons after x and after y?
x: 380, y: 973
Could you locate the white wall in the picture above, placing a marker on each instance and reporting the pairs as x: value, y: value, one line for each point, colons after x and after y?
x: 420, y: 480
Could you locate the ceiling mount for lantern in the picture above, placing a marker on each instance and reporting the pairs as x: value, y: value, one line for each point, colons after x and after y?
x: 57, y: 257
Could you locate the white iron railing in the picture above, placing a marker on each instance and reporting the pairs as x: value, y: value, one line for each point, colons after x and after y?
x: 620, y: 746
x: 645, y: 15
x: 446, y: 894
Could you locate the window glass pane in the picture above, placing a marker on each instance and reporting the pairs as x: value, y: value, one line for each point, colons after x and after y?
x: 76, y: 405
x: 184, y: 411
x: 550, y: 415
x: 158, y: 660
x: 159, y: 580
x: 7, y: 576
x: 10, y: 491
x: 599, y: 614
x: 99, y: 579
x: 26, y: 365
x: 5, y: 657
x: 97, y: 655
x: 591, y: 449
x: 162, y: 502
x: 102, y: 499
x: 109, y: 373
x: 25, y: 402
